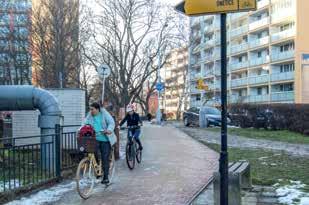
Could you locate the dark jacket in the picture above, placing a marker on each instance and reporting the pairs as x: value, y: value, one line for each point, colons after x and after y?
x: 132, y: 120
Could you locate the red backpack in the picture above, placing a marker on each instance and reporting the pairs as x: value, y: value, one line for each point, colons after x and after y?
x: 86, y: 139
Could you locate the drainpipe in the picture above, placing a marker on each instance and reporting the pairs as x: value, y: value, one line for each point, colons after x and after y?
x: 15, y: 98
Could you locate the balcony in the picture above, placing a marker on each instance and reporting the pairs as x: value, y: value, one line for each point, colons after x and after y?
x: 259, y: 23
x: 194, y: 60
x: 239, y: 31
x: 282, y: 96
x: 258, y: 98
x: 277, y: 56
x: 282, y: 76
x: 259, y: 79
x: 259, y: 42
x: 239, y: 82
x: 238, y: 99
x: 235, y: 16
x: 283, y: 14
x: 237, y: 66
x: 194, y: 90
x: 259, y: 61
x: 262, y: 4
x: 218, y: 85
x: 283, y: 35
x: 239, y: 48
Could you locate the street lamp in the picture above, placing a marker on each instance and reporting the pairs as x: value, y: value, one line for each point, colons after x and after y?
x: 159, y: 114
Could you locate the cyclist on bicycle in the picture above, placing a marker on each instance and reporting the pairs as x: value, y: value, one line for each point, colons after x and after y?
x: 133, y: 119
x: 103, y: 124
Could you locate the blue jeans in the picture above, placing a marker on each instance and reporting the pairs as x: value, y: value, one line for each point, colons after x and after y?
x: 136, y: 134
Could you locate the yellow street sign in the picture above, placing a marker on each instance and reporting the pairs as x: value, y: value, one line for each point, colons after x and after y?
x: 200, y: 7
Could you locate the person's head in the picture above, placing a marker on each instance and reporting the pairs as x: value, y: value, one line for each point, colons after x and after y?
x: 94, y: 108
x: 130, y: 109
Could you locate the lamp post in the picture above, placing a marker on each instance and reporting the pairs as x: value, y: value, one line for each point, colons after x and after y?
x: 159, y: 114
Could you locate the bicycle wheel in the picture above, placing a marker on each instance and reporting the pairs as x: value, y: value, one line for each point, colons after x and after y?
x: 85, y: 178
x: 130, y: 156
x: 112, y: 166
x: 138, y: 154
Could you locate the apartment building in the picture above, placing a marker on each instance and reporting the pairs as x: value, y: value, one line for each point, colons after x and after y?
x: 267, y: 54
x: 174, y: 74
x: 15, y: 59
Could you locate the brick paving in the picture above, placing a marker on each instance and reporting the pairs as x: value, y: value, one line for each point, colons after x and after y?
x: 174, y: 167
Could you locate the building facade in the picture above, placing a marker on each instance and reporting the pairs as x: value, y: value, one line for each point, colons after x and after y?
x: 15, y: 58
x: 174, y: 73
x: 267, y: 54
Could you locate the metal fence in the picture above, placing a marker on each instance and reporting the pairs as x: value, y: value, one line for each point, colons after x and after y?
x: 33, y: 160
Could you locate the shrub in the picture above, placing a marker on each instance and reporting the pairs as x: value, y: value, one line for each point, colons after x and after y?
x: 293, y: 117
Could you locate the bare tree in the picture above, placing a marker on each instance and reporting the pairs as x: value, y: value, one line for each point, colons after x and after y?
x: 127, y: 36
x: 55, y: 43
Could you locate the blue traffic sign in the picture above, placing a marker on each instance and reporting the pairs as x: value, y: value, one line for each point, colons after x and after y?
x: 160, y: 86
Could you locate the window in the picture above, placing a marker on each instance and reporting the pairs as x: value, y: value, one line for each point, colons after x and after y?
x: 259, y: 54
x: 287, y: 26
x: 259, y: 35
x: 287, y: 68
x: 213, y: 111
x: 259, y: 91
x: 287, y: 87
x: 287, y: 47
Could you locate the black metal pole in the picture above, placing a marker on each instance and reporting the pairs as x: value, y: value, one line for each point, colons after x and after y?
x: 224, y: 154
x: 58, y: 151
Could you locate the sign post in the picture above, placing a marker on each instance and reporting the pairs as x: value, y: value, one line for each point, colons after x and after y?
x: 104, y: 71
x: 198, y: 7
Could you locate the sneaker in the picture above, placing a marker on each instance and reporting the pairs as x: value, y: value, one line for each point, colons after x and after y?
x: 105, y: 181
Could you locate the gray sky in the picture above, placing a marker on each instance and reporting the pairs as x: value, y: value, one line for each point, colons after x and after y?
x: 170, y: 1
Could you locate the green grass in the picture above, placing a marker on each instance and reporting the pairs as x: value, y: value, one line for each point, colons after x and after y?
x: 269, y: 168
x: 282, y: 135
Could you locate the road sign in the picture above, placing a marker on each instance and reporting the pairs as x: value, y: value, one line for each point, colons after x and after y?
x: 202, y: 7
x: 160, y: 87
x: 201, y: 85
x: 104, y: 71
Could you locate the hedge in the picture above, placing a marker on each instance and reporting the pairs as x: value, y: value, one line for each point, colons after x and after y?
x: 293, y: 117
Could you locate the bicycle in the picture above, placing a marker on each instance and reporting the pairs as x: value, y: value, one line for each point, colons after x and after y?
x: 89, y: 170
x: 132, y: 149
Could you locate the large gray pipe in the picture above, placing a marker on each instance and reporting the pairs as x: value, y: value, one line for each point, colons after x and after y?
x: 14, y: 98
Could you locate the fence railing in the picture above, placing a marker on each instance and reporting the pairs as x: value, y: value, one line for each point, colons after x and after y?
x: 33, y: 160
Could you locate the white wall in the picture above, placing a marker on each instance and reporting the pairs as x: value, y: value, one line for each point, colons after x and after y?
x: 72, y: 103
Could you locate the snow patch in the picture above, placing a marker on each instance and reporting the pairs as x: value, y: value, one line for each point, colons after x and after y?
x: 49, y: 195
x: 290, y: 193
x: 11, y: 184
x: 262, y: 158
x: 304, y: 201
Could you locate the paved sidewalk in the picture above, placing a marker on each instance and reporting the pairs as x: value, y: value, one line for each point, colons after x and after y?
x: 174, y: 167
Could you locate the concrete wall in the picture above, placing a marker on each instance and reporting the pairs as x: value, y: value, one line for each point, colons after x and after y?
x: 72, y: 103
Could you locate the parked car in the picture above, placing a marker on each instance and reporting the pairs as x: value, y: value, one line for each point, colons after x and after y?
x: 212, y: 116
